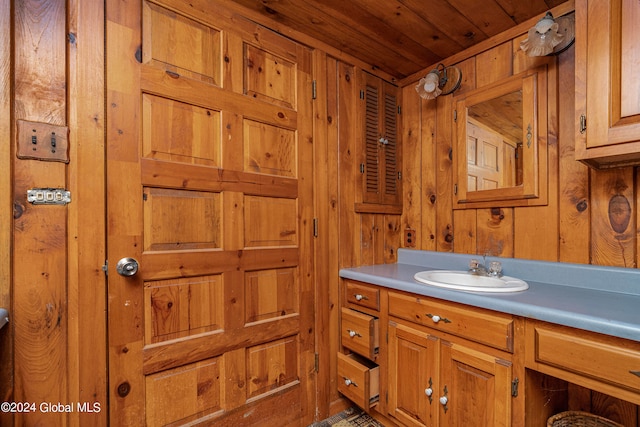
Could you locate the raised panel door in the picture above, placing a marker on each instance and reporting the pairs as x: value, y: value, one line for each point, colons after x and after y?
x: 475, y: 388
x: 412, y: 375
x: 210, y: 189
x: 607, y: 82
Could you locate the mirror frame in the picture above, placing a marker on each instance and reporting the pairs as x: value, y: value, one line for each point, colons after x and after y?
x: 533, y: 190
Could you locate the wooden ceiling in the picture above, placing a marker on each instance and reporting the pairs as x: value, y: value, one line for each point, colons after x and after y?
x: 400, y: 37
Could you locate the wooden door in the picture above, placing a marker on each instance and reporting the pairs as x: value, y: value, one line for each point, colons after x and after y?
x: 413, y: 376
x: 477, y: 387
x: 209, y: 189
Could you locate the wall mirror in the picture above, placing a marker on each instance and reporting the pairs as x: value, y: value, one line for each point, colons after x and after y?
x: 500, y: 155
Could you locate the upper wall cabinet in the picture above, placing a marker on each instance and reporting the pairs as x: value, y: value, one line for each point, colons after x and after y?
x: 500, y: 157
x: 608, y: 82
x: 380, y: 149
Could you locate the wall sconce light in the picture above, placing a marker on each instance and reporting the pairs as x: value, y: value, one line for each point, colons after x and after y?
x: 439, y: 81
x: 550, y: 36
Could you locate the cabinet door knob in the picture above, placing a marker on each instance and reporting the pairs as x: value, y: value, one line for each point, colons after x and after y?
x: 359, y: 297
x: 444, y: 400
x: 353, y: 334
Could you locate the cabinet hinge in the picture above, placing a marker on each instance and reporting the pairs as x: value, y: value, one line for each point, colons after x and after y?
x: 361, y: 94
x: 361, y: 167
x: 455, y: 115
x: 399, y: 175
x: 314, y: 89
x: 514, y: 387
x: 315, y: 227
x: 105, y: 267
x: 316, y: 363
x: 583, y: 123
x: 455, y: 189
x: 399, y: 109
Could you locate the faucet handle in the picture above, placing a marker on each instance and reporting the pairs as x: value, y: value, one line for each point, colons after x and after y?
x: 474, y: 264
x: 495, y: 268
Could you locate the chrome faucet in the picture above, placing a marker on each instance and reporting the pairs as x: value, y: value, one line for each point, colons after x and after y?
x: 494, y: 270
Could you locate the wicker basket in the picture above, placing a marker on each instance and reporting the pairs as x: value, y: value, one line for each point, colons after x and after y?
x: 579, y: 419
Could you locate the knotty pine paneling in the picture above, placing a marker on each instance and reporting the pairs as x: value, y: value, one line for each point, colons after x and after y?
x: 590, y: 216
x: 39, y: 309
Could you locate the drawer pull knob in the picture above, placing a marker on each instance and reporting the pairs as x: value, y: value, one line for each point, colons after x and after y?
x: 348, y: 382
x: 360, y: 297
x: 353, y: 334
x: 636, y: 373
x: 437, y: 319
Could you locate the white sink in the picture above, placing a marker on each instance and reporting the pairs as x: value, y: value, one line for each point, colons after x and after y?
x: 462, y: 280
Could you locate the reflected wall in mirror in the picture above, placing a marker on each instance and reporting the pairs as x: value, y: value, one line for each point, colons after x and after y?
x: 500, y: 143
x: 494, y: 143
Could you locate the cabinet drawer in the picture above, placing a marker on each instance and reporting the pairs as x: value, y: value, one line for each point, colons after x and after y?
x: 608, y: 360
x: 360, y: 333
x: 358, y: 380
x: 362, y: 295
x: 483, y: 326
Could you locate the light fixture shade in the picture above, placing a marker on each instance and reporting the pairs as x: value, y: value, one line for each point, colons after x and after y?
x: 439, y: 81
x: 429, y: 85
x: 542, y: 38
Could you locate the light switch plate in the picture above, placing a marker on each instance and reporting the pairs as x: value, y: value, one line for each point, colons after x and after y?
x: 42, y: 141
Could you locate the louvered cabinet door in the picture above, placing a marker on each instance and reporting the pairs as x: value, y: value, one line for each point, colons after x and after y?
x: 381, y: 146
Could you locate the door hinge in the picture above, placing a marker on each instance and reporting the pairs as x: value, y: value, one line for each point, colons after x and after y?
x: 399, y: 109
x: 514, y: 387
x: 399, y: 175
x: 315, y: 227
x: 316, y: 363
x: 455, y: 189
x: 361, y: 94
x: 361, y: 167
x: 314, y: 89
x: 583, y: 123
x: 455, y: 115
x: 105, y: 267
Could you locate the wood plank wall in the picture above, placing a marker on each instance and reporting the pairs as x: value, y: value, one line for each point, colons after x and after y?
x: 52, y: 74
x: 574, y: 226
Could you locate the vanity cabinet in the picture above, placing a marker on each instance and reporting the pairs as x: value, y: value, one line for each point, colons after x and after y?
x: 440, y: 363
x: 607, y: 82
x: 448, y: 365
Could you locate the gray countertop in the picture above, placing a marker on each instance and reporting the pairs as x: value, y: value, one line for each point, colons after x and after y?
x: 598, y: 299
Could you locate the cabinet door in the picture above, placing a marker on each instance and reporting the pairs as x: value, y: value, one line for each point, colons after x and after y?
x: 412, y: 376
x: 607, y: 49
x: 475, y: 388
x: 381, y: 148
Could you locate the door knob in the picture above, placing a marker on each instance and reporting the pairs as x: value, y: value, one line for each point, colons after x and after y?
x: 127, y: 267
